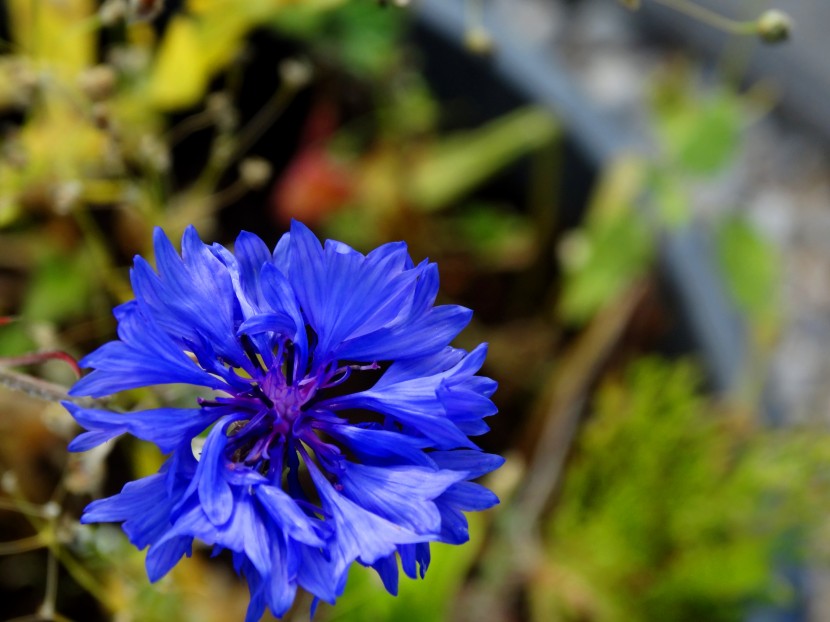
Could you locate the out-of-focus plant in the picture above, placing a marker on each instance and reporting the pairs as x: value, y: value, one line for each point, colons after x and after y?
x: 637, y: 199
x: 772, y: 26
x: 697, y: 135
x: 675, y: 508
x: 611, y: 250
x: 699, y: 139
x: 437, y: 173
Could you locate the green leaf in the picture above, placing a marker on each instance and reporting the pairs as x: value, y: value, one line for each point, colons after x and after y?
x: 455, y: 166
x: 601, y: 260
x: 701, y: 137
x: 671, y: 199
x: 751, y: 267
x: 498, y: 238
x: 359, y: 36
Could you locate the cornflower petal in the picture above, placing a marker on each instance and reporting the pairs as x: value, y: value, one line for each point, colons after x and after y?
x: 166, y: 427
x: 144, y: 507
x: 400, y: 494
x: 361, y: 534
x: 143, y: 356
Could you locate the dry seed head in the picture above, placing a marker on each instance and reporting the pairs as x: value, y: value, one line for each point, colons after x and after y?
x: 296, y: 72
x: 774, y: 26
x: 255, y: 172
x: 478, y: 41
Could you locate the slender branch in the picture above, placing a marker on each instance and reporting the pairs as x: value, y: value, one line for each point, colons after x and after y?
x: 34, y: 387
x: 32, y: 543
x: 40, y: 357
x: 189, y: 125
x: 24, y: 507
x: 50, y: 597
x: 263, y: 119
x: 84, y: 578
x: 708, y: 16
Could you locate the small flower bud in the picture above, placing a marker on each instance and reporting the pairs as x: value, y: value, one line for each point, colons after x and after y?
x: 254, y: 172
x: 112, y: 12
x: 221, y: 109
x: 66, y: 196
x: 19, y: 82
x: 129, y: 60
x: 51, y: 510
x: 575, y: 251
x: 295, y: 72
x: 85, y: 473
x: 101, y: 116
x: 98, y: 83
x: 154, y: 153
x: 9, y: 483
x: 774, y: 26
x: 478, y: 41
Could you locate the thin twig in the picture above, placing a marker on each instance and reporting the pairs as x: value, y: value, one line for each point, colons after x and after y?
x: 23, y: 545
x: 570, y: 385
x: 24, y: 507
x: 40, y: 357
x: 186, y: 127
x: 50, y: 597
x: 708, y: 16
x: 263, y: 119
x: 34, y: 387
x: 84, y: 578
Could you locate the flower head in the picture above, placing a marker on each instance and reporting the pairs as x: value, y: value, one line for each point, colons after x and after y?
x: 298, y: 475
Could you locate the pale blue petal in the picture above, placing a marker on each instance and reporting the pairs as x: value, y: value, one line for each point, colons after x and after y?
x: 402, y: 495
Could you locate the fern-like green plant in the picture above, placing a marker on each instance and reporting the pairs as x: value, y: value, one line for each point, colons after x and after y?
x: 671, y: 510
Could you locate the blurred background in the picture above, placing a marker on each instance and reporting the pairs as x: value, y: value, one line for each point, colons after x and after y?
x: 632, y: 196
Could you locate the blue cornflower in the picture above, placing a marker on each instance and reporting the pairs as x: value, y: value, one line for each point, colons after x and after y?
x: 296, y: 476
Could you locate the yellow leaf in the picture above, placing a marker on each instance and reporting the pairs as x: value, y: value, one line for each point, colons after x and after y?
x: 55, y: 33
x: 181, y: 75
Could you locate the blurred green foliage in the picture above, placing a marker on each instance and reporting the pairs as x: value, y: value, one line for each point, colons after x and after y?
x: 752, y: 270
x: 699, y: 134
x: 611, y: 250
x: 363, y: 39
x: 674, y: 508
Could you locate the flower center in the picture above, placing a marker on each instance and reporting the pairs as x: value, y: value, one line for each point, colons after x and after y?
x: 270, y: 416
x: 258, y: 440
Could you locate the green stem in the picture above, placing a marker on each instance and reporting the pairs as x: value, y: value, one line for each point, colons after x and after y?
x: 50, y: 596
x: 712, y: 18
x: 84, y: 578
x: 24, y: 507
x: 23, y: 545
